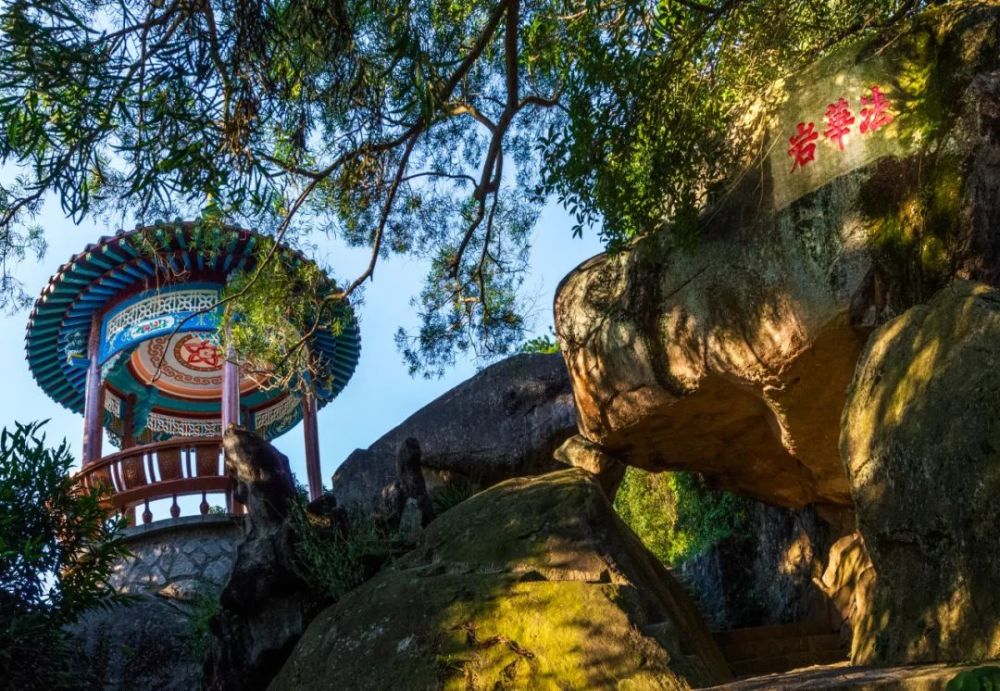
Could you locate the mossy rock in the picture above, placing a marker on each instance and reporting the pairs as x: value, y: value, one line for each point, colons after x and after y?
x: 731, y: 357
x: 921, y: 444
x: 534, y: 583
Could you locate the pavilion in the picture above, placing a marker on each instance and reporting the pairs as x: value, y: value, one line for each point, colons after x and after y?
x: 128, y: 336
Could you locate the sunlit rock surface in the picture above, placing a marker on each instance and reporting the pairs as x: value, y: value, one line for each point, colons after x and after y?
x: 534, y: 583
x: 732, y: 358
x: 921, y: 440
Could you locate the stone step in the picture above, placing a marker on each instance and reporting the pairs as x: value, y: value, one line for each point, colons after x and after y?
x: 788, y: 661
x: 771, y: 646
x: 753, y: 633
x: 780, y: 647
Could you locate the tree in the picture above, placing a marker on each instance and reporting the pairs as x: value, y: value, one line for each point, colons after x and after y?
x: 57, y: 546
x: 433, y: 128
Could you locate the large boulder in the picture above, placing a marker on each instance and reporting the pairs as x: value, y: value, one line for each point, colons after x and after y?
x: 504, y: 422
x: 921, y: 442
x: 534, y: 583
x: 732, y: 358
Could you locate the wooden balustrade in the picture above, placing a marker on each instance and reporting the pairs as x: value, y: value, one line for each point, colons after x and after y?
x: 165, y: 470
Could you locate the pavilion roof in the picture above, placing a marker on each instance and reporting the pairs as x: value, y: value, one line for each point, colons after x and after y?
x: 120, y: 265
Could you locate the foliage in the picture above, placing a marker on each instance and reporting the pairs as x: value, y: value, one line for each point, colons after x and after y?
x: 450, y: 494
x: 540, y: 344
x: 675, y: 515
x: 433, y: 128
x: 57, y: 548
x: 270, y: 307
x: 206, y: 605
x: 335, y: 561
x: 978, y: 679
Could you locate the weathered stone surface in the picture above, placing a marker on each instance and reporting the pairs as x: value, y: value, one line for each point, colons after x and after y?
x: 921, y: 442
x: 150, y: 641
x: 504, y: 422
x: 764, y: 573
x: 193, y: 548
x: 841, y: 677
x: 264, y: 481
x: 534, y: 583
x: 732, y: 358
x: 606, y: 469
x: 265, y: 605
x: 407, y: 490
x: 848, y: 580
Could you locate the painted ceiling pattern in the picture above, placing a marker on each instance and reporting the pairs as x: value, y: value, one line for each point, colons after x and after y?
x: 184, y: 365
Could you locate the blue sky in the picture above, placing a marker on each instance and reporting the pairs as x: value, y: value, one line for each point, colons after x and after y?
x: 380, y: 395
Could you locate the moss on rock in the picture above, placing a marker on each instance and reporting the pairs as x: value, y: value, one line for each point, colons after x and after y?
x: 534, y: 583
x: 921, y: 444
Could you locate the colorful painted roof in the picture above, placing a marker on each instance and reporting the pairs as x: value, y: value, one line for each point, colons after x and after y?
x: 147, y: 284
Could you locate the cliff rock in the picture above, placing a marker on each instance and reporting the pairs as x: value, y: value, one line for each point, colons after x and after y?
x: 732, y: 358
x: 265, y: 605
x: 921, y: 441
x: 504, y: 422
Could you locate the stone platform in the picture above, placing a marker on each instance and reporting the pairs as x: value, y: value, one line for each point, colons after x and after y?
x: 843, y: 676
x: 187, y: 555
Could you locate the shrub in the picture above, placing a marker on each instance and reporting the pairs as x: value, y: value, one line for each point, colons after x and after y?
x: 541, y: 344
x: 206, y: 605
x: 450, y: 494
x: 57, y: 547
x: 675, y: 515
x: 335, y: 561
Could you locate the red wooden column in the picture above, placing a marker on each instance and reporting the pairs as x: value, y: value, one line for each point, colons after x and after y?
x: 230, y: 391
x: 128, y: 439
x: 313, y: 470
x: 93, y: 397
x: 231, y: 410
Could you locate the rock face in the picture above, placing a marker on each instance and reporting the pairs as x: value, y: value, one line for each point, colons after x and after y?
x: 504, y: 422
x: 848, y: 581
x: 155, y: 640
x: 764, y: 574
x: 534, y: 583
x: 265, y: 605
x: 921, y: 441
x: 409, y: 486
x: 606, y: 469
x: 733, y: 358
x: 147, y: 644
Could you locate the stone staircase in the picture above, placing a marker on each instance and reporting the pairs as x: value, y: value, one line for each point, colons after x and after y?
x: 780, y: 647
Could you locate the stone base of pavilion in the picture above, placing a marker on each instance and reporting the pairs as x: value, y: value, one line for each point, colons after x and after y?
x: 181, y: 558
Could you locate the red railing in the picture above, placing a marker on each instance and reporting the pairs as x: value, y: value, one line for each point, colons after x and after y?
x: 165, y: 470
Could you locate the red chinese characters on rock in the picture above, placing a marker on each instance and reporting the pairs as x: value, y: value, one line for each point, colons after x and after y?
x: 838, y: 122
x: 874, y: 111
x: 803, y: 144
x: 838, y: 119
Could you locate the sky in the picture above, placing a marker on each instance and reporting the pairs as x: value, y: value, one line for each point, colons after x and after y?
x: 379, y: 396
